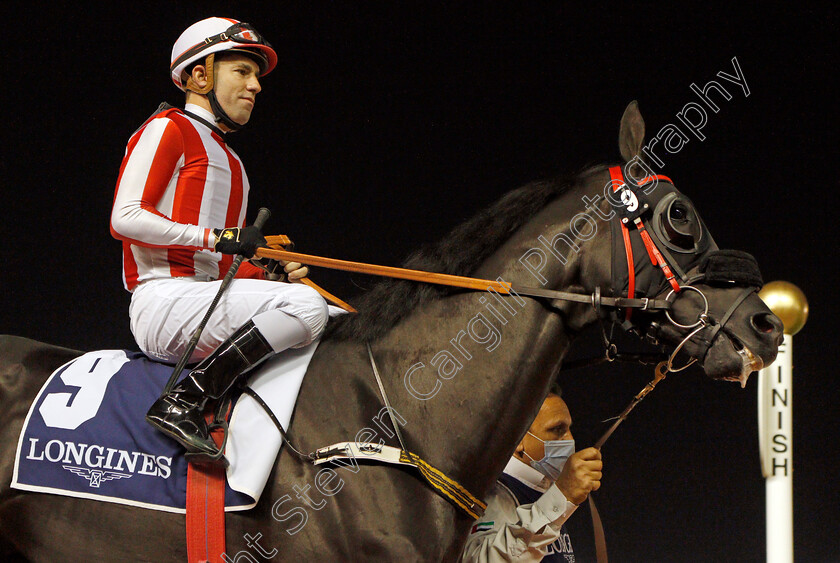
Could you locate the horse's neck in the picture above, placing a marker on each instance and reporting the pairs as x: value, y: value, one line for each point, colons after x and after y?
x: 471, y: 370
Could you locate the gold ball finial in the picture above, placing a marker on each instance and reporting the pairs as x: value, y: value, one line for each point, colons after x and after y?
x: 788, y: 303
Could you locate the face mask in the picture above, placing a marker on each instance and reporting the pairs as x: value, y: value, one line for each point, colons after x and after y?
x: 556, y: 454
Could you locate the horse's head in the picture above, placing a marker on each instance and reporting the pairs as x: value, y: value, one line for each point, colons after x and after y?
x: 716, y: 316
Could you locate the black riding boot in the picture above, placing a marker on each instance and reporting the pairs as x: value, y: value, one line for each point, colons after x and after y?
x: 180, y: 413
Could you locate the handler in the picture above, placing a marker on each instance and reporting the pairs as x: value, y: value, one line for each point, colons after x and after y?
x: 179, y: 210
x: 536, y: 494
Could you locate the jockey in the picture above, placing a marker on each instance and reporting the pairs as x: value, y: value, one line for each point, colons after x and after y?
x: 179, y: 210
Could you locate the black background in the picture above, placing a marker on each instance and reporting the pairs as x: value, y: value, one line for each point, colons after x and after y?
x: 386, y: 125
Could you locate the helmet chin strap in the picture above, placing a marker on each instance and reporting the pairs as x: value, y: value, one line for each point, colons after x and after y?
x: 209, y: 90
x: 219, y: 113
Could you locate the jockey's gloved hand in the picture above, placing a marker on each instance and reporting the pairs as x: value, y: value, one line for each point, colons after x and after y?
x: 235, y: 240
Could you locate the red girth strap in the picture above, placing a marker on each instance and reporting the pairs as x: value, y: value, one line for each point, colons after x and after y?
x: 656, y: 258
x: 206, y: 510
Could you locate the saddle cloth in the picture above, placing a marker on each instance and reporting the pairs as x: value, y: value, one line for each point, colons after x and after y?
x: 85, y: 434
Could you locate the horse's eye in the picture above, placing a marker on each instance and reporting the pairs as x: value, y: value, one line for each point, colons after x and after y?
x: 680, y: 228
x: 679, y: 212
x: 676, y: 223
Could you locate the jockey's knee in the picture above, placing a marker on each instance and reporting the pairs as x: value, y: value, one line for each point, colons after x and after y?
x: 307, y: 305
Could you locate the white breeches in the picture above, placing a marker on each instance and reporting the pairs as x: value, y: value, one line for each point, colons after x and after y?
x: 166, y: 313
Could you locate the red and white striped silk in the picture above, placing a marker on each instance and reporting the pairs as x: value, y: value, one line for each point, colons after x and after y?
x: 178, y: 181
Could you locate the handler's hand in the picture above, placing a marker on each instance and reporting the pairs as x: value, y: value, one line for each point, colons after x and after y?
x: 581, y: 475
x: 294, y: 271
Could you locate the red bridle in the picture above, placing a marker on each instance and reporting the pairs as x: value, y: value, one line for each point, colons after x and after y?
x: 656, y: 258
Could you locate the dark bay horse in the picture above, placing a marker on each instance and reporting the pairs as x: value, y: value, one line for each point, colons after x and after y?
x: 465, y: 371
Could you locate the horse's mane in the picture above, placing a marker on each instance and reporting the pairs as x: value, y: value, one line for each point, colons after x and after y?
x: 458, y: 253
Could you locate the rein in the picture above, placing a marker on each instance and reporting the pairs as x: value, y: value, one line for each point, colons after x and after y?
x: 276, y: 250
x: 595, y: 299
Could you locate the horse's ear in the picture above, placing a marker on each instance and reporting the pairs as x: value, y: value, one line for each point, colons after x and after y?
x: 631, y: 135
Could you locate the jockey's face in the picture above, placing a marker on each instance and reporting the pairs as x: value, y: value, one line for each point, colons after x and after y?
x: 553, y: 422
x: 237, y: 86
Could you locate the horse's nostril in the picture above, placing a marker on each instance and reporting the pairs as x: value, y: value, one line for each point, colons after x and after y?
x: 764, y: 322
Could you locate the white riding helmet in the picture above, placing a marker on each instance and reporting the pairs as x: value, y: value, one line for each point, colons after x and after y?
x: 213, y: 35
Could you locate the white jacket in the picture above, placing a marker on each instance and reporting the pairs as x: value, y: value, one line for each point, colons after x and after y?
x: 512, y: 532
